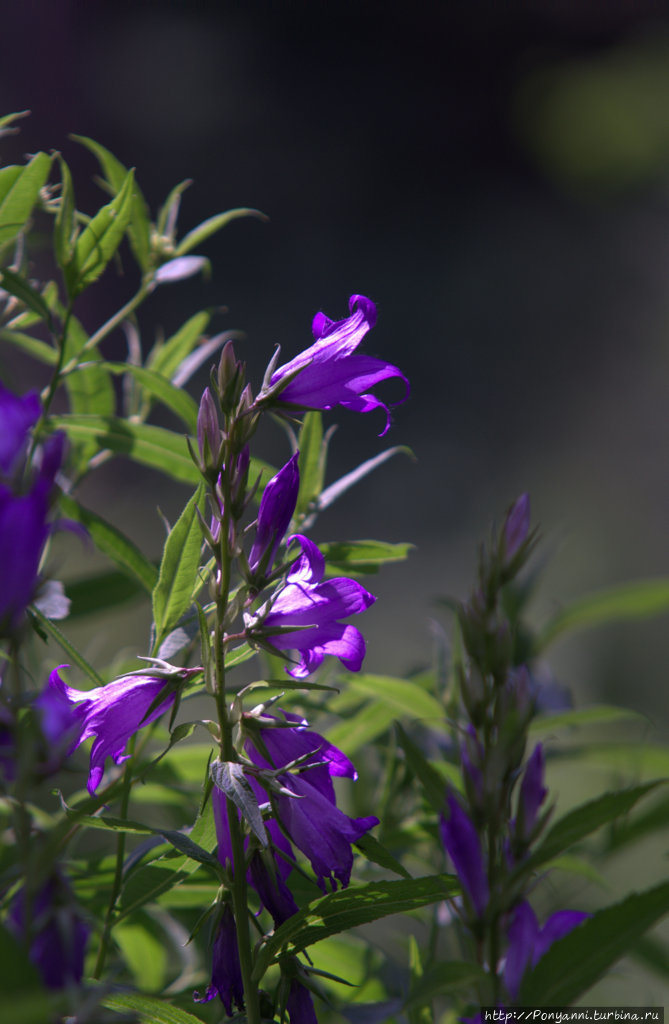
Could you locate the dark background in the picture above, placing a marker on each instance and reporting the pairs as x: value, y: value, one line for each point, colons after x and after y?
x: 494, y: 176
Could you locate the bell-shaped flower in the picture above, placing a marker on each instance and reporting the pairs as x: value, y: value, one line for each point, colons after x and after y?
x: 463, y: 846
x: 17, y: 416
x: 528, y: 942
x: 58, y: 932
x: 330, y: 372
x: 313, y: 607
x: 226, y: 972
x: 113, y: 713
x: 300, y: 1005
x: 274, y: 515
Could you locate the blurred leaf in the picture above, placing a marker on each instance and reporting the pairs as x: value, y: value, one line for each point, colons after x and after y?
x: 173, y: 593
x: 64, y: 228
x: 348, y: 908
x: 360, y: 729
x: 211, y: 226
x: 99, y: 240
x: 165, y: 358
x: 170, y: 208
x: 363, y: 556
x: 19, y: 193
x: 631, y: 830
x: 335, y: 490
x: 147, y: 1009
x: 228, y: 776
x: 451, y: 976
x: 7, y: 120
x: 180, y: 402
x: 100, y: 592
x: 641, y: 599
x: 601, y: 714
x: 585, y: 819
x: 112, y: 543
x: 433, y: 784
x: 373, y: 850
x: 17, y: 971
x: 45, y: 626
x: 407, y: 698
x: 311, y: 462
x: 151, y: 446
x: 639, y: 759
x: 23, y: 290
x: 115, y: 174
x: 144, y: 952
x: 238, y: 655
x: 33, y: 346
x: 574, y: 963
x: 90, y: 389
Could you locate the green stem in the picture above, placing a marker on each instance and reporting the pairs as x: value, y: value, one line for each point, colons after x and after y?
x: 105, y: 938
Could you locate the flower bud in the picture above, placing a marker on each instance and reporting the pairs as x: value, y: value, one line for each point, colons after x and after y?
x: 208, y: 432
x: 231, y: 374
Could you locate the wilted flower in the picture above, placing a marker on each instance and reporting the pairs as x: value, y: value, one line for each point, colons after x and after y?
x: 226, y: 972
x: 463, y: 846
x: 329, y: 373
x: 113, y: 713
x: 528, y: 942
x: 276, y: 510
x: 58, y: 932
x: 313, y: 607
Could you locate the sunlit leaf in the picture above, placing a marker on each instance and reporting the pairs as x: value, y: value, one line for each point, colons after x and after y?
x: 19, y: 193
x: 100, y: 239
x: 211, y: 226
x: 157, y: 386
x: 173, y: 592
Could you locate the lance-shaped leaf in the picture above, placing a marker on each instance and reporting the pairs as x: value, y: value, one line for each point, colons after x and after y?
x: 24, y: 291
x: 173, y: 593
x: 157, y: 386
x: 151, y: 446
x: 33, y: 346
x: 147, y: 1009
x: 362, y: 557
x: 64, y: 228
x: 100, y: 239
x: 311, y: 464
x: 44, y: 627
x: 348, y: 908
x: 434, y: 786
x: 115, y: 174
x: 212, y: 225
x: 229, y: 777
x: 574, y: 963
x: 19, y: 189
x: 166, y: 357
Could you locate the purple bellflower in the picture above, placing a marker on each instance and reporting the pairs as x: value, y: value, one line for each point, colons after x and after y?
x: 531, y: 795
x: 300, y: 1005
x: 528, y: 942
x: 330, y: 372
x: 276, y: 510
x: 112, y: 714
x: 17, y: 417
x: 313, y: 606
x: 463, y: 846
x: 59, y: 934
x: 226, y: 972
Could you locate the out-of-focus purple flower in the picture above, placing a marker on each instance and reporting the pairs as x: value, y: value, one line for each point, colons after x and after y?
x: 226, y: 973
x: 516, y: 526
x: 528, y: 942
x: 17, y: 416
x: 58, y: 932
x: 463, y: 846
x: 276, y: 510
x: 179, y: 268
x: 330, y: 373
x: 112, y: 714
x: 532, y: 794
x: 313, y: 606
x: 300, y: 1005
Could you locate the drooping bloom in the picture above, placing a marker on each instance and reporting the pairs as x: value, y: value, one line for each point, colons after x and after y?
x: 226, y: 972
x: 463, y: 846
x: 276, y: 510
x: 300, y: 1005
x: 330, y: 372
x: 313, y: 607
x: 58, y: 932
x: 528, y: 942
x: 112, y: 714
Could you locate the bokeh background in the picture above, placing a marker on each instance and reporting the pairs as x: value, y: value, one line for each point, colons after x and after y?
x: 495, y: 176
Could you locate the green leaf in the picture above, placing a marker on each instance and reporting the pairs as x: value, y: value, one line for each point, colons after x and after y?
x: 600, y: 714
x: 311, y: 462
x: 585, y: 819
x: 373, y: 850
x: 574, y: 963
x: 100, y: 239
x: 452, y: 976
x: 147, y: 1009
x: 180, y: 402
x: 639, y: 600
x: 17, y: 970
x: 432, y: 782
x: 367, y: 724
x: 151, y: 446
x: 33, y: 346
x: 348, y: 908
x: 363, y: 556
x: 144, y: 952
x: 64, y: 229
x: 115, y: 174
x: 173, y: 593
x: 7, y: 119
x: 100, y: 592
x: 17, y: 200
x: 44, y: 625
x: 112, y: 543
x: 211, y: 226
x: 228, y: 776
x: 166, y: 358
x: 406, y: 697
x: 23, y: 290
x: 90, y: 389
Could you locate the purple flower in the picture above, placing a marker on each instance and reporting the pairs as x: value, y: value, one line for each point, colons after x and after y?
x: 532, y: 793
x: 300, y: 1005
x: 463, y: 846
x: 329, y: 373
x: 17, y: 416
x: 307, y: 600
x: 528, y: 942
x: 112, y: 714
x: 226, y: 973
x: 516, y: 526
x: 58, y: 933
x: 276, y: 510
